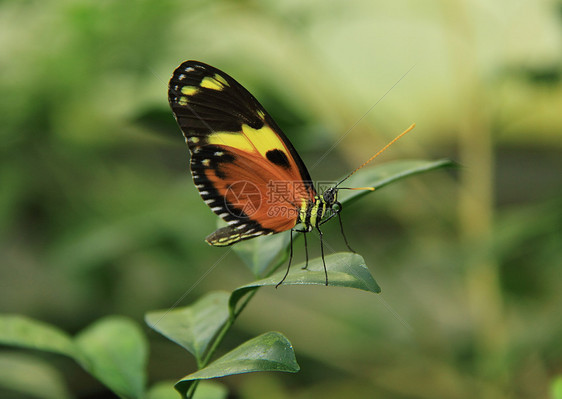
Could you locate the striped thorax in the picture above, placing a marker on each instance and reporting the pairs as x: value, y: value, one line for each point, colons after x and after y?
x: 315, y: 213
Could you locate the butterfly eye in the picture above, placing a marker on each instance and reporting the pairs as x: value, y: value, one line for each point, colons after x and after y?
x: 329, y: 196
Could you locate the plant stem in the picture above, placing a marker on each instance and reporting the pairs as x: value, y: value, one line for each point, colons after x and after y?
x: 226, y: 327
x: 217, y: 341
x: 220, y: 335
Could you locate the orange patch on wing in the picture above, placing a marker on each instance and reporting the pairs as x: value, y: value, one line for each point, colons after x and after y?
x: 268, y: 194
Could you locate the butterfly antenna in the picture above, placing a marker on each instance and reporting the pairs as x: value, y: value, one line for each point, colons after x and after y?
x: 373, y: 157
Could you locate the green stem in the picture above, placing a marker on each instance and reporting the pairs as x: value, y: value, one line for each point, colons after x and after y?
x: 226, y: 327
x: 191, y: 390
x: 218, y: 339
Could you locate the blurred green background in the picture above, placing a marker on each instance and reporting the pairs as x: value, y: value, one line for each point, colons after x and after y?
x: 98, y: 214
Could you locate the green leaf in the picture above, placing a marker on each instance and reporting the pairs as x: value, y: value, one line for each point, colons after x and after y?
x: 387, y: 173
x: 259, y: 252
x: 192, y: 327
x: 33, y: 377
x: 32, y: 334
x: 345, y: 269
x: 116, y: 350
x: 268, y: 352
x: 113, y: 350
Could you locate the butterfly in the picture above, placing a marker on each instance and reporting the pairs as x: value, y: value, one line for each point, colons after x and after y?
x: 245, y: 168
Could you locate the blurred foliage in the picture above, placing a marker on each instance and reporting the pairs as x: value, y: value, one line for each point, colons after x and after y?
x: 98, y: 214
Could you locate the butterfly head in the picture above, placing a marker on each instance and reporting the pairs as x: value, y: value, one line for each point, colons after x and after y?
x: 330, y: 198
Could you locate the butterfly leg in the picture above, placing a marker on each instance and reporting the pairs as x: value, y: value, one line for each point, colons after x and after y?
x: 290, y: 260
x: 305, y: 252
x: 343, y: 234
x: 322, y: 252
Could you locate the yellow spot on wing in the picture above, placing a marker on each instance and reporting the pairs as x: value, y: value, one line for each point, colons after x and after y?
x: 221, y: 79
x: 211, y: 83
x: 264, y: 139
x: 189, y: 90
x: 230, y: 139
x: 250, y: 140
x: 182, y: 100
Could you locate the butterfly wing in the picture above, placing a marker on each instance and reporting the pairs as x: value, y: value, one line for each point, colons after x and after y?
x: 245, y: 168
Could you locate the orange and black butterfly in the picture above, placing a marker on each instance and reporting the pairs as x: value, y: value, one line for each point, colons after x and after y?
x: 245, y: 168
